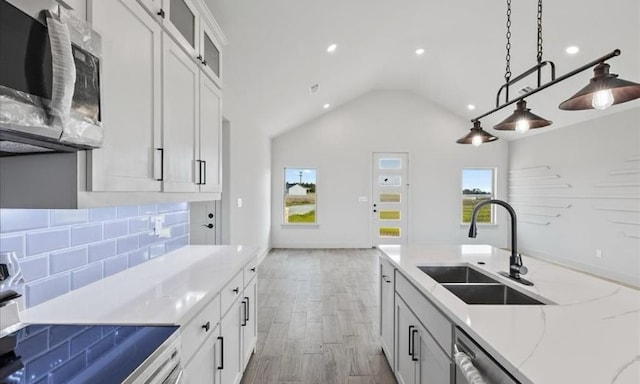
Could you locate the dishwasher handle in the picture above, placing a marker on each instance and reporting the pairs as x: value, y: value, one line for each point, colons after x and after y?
x: 465, y: 364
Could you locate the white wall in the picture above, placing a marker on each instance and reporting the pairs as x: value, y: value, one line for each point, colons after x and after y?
x: 340, y: 145
x: 583, y: 155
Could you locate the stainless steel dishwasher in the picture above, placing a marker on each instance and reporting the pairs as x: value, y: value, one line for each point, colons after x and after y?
x: 475, y: 366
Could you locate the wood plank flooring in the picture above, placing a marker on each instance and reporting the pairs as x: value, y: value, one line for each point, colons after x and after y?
x: 318, y: 319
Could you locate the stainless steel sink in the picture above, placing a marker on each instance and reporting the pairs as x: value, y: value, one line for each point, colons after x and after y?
x: 490, y: 294
x: 456, y: 274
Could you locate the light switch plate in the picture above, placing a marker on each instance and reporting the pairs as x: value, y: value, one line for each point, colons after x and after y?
x: 363, y: 199
x: 239, y: 202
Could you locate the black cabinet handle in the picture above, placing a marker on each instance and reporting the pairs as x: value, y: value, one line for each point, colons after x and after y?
x: 236, y: 290
x: 204, y: 62
x: 410, y: 341
x: 413, y: 349
x: 161, y: 164
x: 253, y: 269
x: 221, y: 366
x: 386, y: 279
x: 247, y: 311
x: 161, y: 13
x: 244, y: 318
x: 207, y: 326
x: 199, y: 58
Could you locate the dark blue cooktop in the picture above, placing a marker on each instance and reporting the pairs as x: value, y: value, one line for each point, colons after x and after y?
x: 70, y: 354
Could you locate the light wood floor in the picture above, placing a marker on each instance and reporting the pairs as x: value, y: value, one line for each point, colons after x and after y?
x: 318, y: 319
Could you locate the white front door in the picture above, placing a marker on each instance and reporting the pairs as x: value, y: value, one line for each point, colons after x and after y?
x: 203, y: 223
x: 389, y: 199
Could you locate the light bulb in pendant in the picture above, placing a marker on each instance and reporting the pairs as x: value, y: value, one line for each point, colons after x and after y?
x: 602, y: 99
x: 477, y: 140
x: 522, y: 126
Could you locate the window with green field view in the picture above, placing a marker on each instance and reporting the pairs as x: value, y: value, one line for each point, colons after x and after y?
x: 478, y: 184
x: 300, y: 195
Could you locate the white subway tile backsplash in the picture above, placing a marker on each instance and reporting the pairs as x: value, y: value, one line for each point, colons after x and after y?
x: 67, y: 260
x: 62, y: 250
x: 14, y: 220
x: 45, y: 241
x: 86, y: 234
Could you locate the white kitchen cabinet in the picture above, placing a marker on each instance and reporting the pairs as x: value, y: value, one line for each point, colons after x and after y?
x: 230, y: 366
x: 211, y: 51
x: 209, y: 150
x: 203, y: 369
x: 249, y: 324
x: 434, y: 365
x: 182, y: 19
x: 406, y: 367
x: 180, y: 91
x: 387, y: 294
x: 131, y: 109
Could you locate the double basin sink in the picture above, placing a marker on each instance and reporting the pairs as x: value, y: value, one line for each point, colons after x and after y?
x: 474, y: 287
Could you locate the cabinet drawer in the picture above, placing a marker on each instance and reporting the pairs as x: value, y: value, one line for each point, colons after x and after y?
x: 435, y: 322
x: 231, y: 292
x: 196, y: 331
x: 250, y: 271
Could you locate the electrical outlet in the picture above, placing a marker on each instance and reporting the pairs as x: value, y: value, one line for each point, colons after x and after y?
x: 239, y: 201
x: 157, y: 222
x: 599, y: 253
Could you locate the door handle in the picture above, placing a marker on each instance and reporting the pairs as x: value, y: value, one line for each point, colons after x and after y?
x: 245, y: 309
x: 247, y: 312
x: 204, y: 173
x: 413, y: 349
x: 161, y: 164
x: 221, y: 366
x: 210, y: 226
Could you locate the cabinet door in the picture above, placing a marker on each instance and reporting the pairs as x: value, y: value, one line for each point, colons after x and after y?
x: 181, y: 19
x: 202, y: 368
x: 180, y: 139
x: 210, y: 131
x: 406, y: 366
x: 131, y: 103
x: 435, y: 366
x: 210, y: 50
x: 386, y: 310
x: 231, y: 347
x: 249, y: 328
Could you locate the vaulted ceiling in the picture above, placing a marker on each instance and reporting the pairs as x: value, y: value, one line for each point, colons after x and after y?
x: 277, y: 50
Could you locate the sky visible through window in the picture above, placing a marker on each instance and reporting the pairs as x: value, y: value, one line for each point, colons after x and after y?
x: 477, y: 178
x: 292, y: 175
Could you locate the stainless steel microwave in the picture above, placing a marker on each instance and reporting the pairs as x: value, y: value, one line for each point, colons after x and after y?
x: 49, y: 79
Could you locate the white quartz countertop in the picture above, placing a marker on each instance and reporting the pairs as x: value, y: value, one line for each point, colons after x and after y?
x: 161, y: 291
x: 590, y: 335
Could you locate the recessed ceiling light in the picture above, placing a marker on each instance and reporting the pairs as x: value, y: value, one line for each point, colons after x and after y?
x: 419, y: 51
x: 471, y: 107
x: 326, y: 106
x: 332, y: 48
x: 572, y: 50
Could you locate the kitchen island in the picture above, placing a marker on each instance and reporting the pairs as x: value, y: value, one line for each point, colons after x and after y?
x: 589, y: 331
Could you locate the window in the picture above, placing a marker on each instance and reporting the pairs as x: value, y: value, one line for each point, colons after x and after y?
x: 300, y: 195
x: 478, y: 184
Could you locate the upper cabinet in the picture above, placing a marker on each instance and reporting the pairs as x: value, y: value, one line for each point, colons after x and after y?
x: 132, y: 57
x: 211, y: 52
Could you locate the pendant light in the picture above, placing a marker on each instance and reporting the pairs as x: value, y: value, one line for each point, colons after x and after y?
x: 603, y: 91
x: 522, y: 120
x: 477, y: 136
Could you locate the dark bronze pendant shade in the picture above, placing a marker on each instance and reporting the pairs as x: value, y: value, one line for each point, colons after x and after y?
x: 522, y: 119
x: 612, y: 91
x: 477, y: 136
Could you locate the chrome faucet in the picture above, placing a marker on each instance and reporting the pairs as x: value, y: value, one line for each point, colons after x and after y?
x: 515, y: 260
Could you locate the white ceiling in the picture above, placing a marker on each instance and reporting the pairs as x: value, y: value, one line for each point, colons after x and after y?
x: 277, y: 50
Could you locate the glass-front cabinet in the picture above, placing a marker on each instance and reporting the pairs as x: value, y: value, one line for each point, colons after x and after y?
x: 191, y: 25
x: 210, y: 53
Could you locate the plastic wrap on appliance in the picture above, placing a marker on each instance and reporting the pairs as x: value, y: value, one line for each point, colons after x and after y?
x: 81, y: 33
x: 470, y: 372
x: 63, y: 71
x: 20, y: 109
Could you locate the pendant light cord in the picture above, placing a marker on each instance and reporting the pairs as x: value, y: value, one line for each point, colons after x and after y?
x: 507, y: 73
x: 539, y: 31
